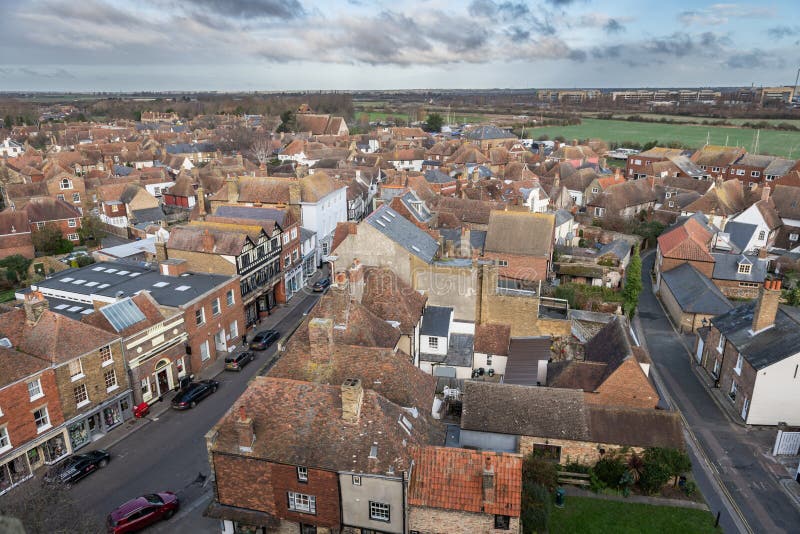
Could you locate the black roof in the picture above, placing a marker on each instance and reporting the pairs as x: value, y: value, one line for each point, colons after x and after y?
x: 694, y: 292
x: 436, y: 321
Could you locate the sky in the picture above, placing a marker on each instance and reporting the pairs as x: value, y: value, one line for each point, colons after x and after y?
x: 284, y: 45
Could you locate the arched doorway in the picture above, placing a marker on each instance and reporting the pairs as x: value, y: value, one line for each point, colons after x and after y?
x: 163, y: 376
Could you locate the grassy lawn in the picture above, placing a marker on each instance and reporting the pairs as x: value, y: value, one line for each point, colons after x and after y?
x: 382, y: 115
x: 685, y: 118
x: 7, y: 295
x: 778, y: 143
x: 597, y: 516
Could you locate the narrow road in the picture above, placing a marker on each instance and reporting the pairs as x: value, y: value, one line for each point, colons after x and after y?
x: 169, y: 452
x: 730, y: 455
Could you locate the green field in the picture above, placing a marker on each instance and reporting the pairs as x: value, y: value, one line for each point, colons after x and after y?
x: 382, y: 115
x: 697, y: 119
x: 778, y: 143
x: 597, y: 516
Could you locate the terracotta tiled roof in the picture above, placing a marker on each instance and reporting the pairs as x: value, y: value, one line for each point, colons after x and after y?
x: 520, y: 232
x: 391, y: 298
x: 688, y: 241
x: 16, y: 365
x: 354, y: 323
x: 343, y: 229
x: 144, y: 302
x: 492, y: 339
x: 452, y: 479
x: 50, y: 209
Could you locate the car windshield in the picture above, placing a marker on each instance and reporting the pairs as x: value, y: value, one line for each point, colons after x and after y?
x: 152, y: 498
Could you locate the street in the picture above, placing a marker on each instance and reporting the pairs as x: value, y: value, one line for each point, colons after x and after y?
x: 735, y: 458
x: 169, y: 452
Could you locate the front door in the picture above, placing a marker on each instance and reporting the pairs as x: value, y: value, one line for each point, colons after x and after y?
x: 95, y: 429
x: 219, y: 341
x: 745, y: 406
x: 162, y: 381
x: 699, y: 354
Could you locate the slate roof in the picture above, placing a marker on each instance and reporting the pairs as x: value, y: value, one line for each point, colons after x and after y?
x: 147, y: 215
x: 778, y: 167
x: 190, y: 148
x: 436, y: 321
x: 127, y: 316
x: 619, y: 248
x: 524, y: 410
x: 288, y: 415
x: 416, y: 207
x: 487, y: 132
x: 766, y: 347
x: 493, y: 339
x: 726, y: 267
x: 740, y: 234
x: 452, y: 479
x: 524, y: 354
x: 562, y: 216
x: 520, y: 232
x: 694, y: 292
x: 404, y: 233
x: 636, y: 427
x: 460, y: 352
x: 435, y: 176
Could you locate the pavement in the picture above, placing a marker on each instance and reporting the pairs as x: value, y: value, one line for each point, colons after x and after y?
x: 167, y: 450
x: 732, y: 463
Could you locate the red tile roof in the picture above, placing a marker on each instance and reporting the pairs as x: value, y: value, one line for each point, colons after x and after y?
x: 452, y: 479
x: 688, y: 241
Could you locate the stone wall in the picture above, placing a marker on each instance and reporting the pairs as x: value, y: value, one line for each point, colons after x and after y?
x: 426, y: 520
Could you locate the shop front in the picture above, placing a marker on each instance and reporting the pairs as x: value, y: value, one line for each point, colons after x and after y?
x: 96, y: 423
x: 46, y: 451
x: 293, y: 281
x: 160, y: 375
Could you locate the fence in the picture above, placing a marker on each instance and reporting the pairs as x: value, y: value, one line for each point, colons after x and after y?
x: 786, y: 443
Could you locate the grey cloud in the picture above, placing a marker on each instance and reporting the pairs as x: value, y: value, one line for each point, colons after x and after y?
x: 779, y: 32
x: 563, y: 3
x: 60, y: 73
x: 750, y: 60
x: 277, y: 9
x: 681, y: 44
x: 577, y: 55
x: 506, y: 11
x: 613, y: 26
x: 516, y: 34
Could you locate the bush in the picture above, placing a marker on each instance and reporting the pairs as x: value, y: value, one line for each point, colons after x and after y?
x: 539, y: 471
x: 575, y: 467
x: 675, y: 461
x: 690, y: 488
x: 654, y: 476
x: 609, y: 471
x: 536, y: 506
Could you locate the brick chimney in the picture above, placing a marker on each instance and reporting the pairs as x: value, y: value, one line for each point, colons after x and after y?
x: 763, y: 253
x: 355, y: 277
x: 320, y: 334
x: 174, y: 267
x: 161, y: 249
x: 352, y: 397
x: 340, y: 280
x: 488, y: 480
x: 767, y: 306
x: 208, y: 241
x: 245, y: 430
x: 294, y: 193
x: 35, y: 304
x: 201, y: 203
x: 233, y: 189
x: 765, y: 192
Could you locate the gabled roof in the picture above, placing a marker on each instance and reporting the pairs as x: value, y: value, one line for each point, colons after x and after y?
x: 487, y: 132
x: 787, y: 201
x: 403, y: 232
x: 520, y: 232
x: 391, y: 298
x: 689, y: 240
x: 493, y: 339
x: 436, y: 321
x: 354, y: 323
x: 50, y: 209
x: 15, y: 365
x: 452, y: 479
x: 694, y: 292
x: 726, y: 267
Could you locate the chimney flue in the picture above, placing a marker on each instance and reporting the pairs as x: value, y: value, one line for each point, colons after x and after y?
x: 35, y: 305
x: 767, y: 306
x: 488, y: 480
x: 245, y: 430
x: 352, y: 398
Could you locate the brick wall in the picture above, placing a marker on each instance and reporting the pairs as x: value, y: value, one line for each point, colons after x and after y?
x: 63, y: 226
x: 732, y: 289
x: 521, y: 267
x: 705, y: 267
x: 18, y: 408
x: 439, y: 521
x: 627, y: 386
x: 94, y: 380
x: 324, y: 485
x: 583, y: 452
x: 244, y: 482
x: 745, y: 381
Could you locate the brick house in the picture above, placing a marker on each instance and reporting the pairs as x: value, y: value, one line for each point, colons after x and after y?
x: 690, y: 298
x: 90, y: 373
x: 752, y: 354
x: 612, y: 372
x: 482, y: 494
x: 61, y: 186
x: 251, y: 251
x: 353, y: 478
x: 153, y: 338
x: 46, y: 211
x: 521, y: 419
x: 15, y: 234
x: 32, y: 431
x: 521, y: 244
x: 786, y: 200
x: 182, y: 194
x: 639, y: 165
x: 717, y: 160
x: 625, y: 200
x: 124, y: 205
x: 689, y: 242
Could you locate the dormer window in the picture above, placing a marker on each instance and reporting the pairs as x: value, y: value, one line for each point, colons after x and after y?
x: 744, y: 268
x: 433, y: 342
x: 66, y: 183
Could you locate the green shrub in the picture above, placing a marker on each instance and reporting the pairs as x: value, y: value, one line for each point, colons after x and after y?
x: 675, y: 461
x: 575, y: 467
x: 654, y: 476
x: 536, y: 506
x: 610, y: 470
x: 690, y: 488
x: 539, y: 471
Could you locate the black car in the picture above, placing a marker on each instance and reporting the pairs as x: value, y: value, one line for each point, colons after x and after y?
x: 189, y: 396
x: 235, y: 362
x: 77, y: 466
x: 321, y: 285
x: 263, y: 340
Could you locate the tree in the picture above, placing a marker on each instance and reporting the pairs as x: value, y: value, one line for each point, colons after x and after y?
x: 91, y: 230
x: 536, y: 504
x: 675, y: 461
x: 49, y: 241
x: 434, y: 122
x: 261, y: 149
x: 16, y: 266
x: 539, y: 471
x: 288, y: 121
x: 633, y: 283
x: 48, y: 509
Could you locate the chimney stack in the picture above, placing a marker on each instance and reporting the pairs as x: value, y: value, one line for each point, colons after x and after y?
x: 233, y: 189
x: 201, y: 202
x: 767, y: 306
x: 765, y: 192
x: 352, y: 397
x: 35, y: 305
x: 488, y: 480
x: 161, y: 249
x: 245, y: 430
x: 355, y: 277
x: 320, y: 334
x: 762, y: 253
x: 208, y: 241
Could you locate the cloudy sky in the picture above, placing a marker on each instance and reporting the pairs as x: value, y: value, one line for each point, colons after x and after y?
x: 229, y: 45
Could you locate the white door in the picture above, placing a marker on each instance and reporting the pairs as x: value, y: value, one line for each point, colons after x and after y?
x: 219, y: 341
x: 745, y: 406
x: 699, y: 355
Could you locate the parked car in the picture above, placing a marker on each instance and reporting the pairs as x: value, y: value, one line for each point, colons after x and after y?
x: 263, y: 340
x: 235, y: 362
x: 321, y: 285
x: 141, y: 512
x: 77, y: 466
x: 193, y: 393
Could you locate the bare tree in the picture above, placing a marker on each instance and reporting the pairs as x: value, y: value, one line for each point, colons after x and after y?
x: 261, y: 149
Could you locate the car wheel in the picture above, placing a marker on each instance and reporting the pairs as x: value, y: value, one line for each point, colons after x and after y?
x: 252, y: 357
x: 169, y: 513
x: 193, y: 404
x: 214, y: 389
x: 102, y: 463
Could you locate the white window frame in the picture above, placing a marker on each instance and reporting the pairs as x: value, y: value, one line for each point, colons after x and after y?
x: 76, y: 197
x: 744, y: 268
x: 734, y: 391
x: 740, y: 172
x: 66, y: 183
x: 739, y: 363
x: 106, y: 356
x: 755, y: 174
x: 433, y: 342
x: 45, y: 420
x: 112, y: 384
x: 794, y: 237
x: 233, y: 329
x: 294, y: 233
x: 216, y: 307
x: 38, y: 386
x: 73, y: 376
x: 502, y: 263
x: 285, y: 239
x: 380, y: 511
x: 715, y: 371
x: 302, y: 473
x: 301, y: 502
x: 230, y: 298
x: 204, y: 356
x: 81, y: 400
x: 200, y: 316
x: 595, y: 190
x: 5, y: 439
x: 144, y: 385
x: 73, y: 237
x: 72, y: 223
x: 762, y: 235
x: 721, y: 344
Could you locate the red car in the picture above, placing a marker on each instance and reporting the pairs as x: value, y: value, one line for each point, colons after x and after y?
x: 141, y: 512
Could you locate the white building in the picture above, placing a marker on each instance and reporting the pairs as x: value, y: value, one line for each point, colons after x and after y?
x: 323, y: 205
x: 446, y: 346
x: 11, y: 149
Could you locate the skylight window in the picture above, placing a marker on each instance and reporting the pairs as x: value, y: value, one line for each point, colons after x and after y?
x: 123, y: 273
x: 182, y: 288
x: 109, y: 271
x: 87, y: 312
x: 133, y: 275
x: 73, y: 309
x: 102, y: 286
x: 391, y: 214
x: 67, y: 279
x: 62, y: 306
x: 78, y: 282
x: 385, y: 218
x: 381, y: 223
x: 415, y: 247
x: 91, y: 284
x: 98, y: 269
x: 161, y: 284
